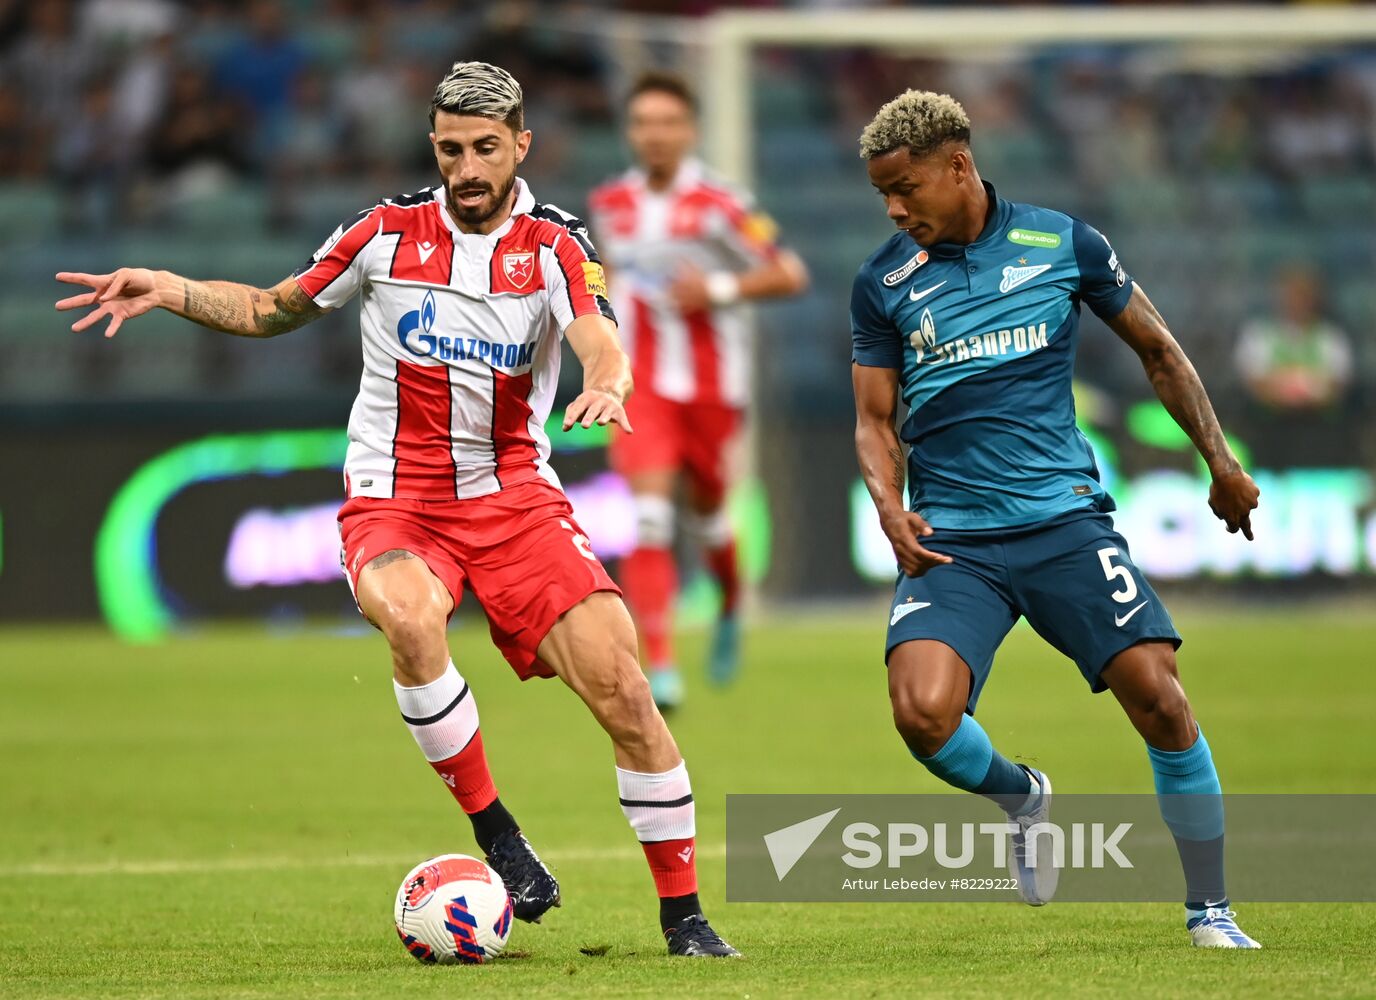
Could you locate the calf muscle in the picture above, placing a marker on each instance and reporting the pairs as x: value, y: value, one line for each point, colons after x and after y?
x: 593, y: 650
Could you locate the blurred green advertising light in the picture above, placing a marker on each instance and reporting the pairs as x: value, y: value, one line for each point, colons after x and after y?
x: 127, y: 586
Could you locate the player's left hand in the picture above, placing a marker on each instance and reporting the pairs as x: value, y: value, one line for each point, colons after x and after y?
x: 1232, y: 497
x: 689, y: 290
x: 596, y: 406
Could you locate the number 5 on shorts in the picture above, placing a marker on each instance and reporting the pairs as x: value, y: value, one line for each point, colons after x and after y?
x: 1112, y: 572
x: 580, y: 542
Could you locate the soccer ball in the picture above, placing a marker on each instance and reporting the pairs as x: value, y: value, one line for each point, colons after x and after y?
x: 453, y: 908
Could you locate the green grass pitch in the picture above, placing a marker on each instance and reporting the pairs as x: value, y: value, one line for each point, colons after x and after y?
x: 228, y: 815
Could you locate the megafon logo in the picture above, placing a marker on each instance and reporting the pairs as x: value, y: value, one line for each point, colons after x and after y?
x: 952, y: 845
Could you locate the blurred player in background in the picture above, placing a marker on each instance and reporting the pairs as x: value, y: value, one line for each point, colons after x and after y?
x: 467, y: 289
x: 685, y: 252
x: 970, y: 313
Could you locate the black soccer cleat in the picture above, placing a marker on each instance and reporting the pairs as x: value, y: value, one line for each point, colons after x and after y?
x: 532, y: 888
x: 693, y: 936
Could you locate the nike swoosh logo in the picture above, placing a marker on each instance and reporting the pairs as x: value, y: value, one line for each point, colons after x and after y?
x: 917, y: 296
x: 1120, y: 622
x: 907, y: 609
x: 425, y: 250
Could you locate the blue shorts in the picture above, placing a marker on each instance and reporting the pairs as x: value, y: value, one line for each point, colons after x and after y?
x: 1071, y: 577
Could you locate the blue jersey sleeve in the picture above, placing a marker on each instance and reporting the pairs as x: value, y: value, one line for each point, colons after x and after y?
x: 875, y: 342
x: 1104, y: 285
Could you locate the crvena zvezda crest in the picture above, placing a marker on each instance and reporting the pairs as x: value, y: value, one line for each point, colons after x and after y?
x: 518, y: 266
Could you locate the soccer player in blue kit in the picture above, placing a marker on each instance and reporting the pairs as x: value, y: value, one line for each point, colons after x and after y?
x: 970, y: 313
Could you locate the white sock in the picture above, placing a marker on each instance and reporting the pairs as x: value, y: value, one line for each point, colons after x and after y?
x: 658, y: 806
x: 442, y: 715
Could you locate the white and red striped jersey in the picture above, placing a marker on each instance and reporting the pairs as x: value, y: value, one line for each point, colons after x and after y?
x: 461, y: 337
x: 646, y: 236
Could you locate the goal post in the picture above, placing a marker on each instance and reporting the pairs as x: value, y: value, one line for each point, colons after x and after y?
x: 732, y: 35
x: 1211, y: 204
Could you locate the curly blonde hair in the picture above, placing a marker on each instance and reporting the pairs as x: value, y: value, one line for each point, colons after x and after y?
x: 921, y: 120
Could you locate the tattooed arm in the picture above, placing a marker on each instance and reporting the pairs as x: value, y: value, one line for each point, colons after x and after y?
x: 882, y: 466
x: 244, y: 311
x: 1232, y: 495
x: 221, y: 305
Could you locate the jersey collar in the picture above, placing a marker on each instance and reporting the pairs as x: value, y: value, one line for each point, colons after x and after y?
x: 998, y: 221
x: 524, y: 205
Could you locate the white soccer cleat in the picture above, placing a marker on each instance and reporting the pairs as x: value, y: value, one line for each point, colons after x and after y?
x: 1217, y: 929
x: 1036, y: 884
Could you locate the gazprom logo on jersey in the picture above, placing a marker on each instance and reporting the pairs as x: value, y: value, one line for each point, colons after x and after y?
x: 427, y: 344
x: 1014, y: 340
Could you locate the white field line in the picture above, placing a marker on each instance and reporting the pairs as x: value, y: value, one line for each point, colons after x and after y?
x: 266, y: 863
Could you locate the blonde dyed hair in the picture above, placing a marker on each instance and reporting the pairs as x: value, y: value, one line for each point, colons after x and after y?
x: 921, y: 120
x: 481, y: 90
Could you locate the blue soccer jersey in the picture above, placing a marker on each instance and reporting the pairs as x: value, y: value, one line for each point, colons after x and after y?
x: 983, y: 337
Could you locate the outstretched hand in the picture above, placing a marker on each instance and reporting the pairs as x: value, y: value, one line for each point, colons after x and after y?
x: 596, y: 406
x: 124, y: 294
x: 1232, y: 497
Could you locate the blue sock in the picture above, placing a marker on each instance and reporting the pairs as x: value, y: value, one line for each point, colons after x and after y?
x: 969, y: 762
x: 1191, y: 801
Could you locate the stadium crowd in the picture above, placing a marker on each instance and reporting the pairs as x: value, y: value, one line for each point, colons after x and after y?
x: 171, y: 122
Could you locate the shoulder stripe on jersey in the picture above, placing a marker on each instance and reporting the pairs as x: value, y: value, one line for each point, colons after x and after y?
x: 552, y: 241
x: 354, y: 236
x: 575, y: 265
x: 574, y: 226
x: 317, y: 275
x: 573, y: 254
x: 416, y: 199
x: 399, y: 229
x: 413, y: 199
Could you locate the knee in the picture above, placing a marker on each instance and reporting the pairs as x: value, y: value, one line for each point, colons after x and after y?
x: 1157, y: 692
x: 414, y: 629
x: 1164, y: 705
x: 1161, y: 712
x: 925, y: 725
x: 620, y: 692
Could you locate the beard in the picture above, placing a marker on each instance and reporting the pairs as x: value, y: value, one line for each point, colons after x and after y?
x: 476, y: 215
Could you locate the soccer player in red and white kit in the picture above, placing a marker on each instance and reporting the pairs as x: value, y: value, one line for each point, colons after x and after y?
x: 685, y: 251
x: 466, y: 290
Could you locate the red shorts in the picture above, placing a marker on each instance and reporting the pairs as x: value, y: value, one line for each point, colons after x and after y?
x: 519, y: 551
x: 695, y: 438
